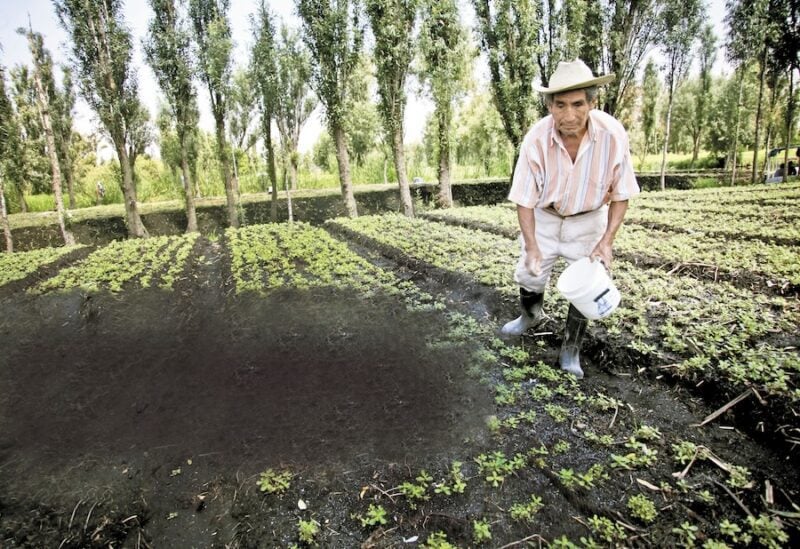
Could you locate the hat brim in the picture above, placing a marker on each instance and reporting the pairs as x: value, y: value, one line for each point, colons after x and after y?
x: 599, y: 81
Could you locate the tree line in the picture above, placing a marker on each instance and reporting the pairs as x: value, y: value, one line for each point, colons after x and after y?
x: 343, y: 45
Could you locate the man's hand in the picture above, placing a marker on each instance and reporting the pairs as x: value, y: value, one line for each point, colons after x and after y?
x: 533, y: 259
x: 603, y: 252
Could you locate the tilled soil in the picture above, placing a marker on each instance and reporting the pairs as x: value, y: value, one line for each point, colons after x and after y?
x: 143, y: 419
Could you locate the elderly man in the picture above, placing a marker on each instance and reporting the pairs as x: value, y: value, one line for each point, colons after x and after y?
x: 571, y: 186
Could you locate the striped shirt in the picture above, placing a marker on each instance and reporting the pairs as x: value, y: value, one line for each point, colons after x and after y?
x: 546, y: 177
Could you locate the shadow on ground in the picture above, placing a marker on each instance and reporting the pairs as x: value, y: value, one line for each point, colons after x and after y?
x: 96, y: 388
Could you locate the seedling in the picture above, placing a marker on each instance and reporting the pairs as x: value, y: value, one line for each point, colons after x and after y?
x: 607, y: 530
x: 307, y: 531
x: 687, y: 533
x: 438, y: 540
x: 376, y: 515
x: 558, y: 413
x: 526, y: 511
x: 481, y: 531
x: 642, y: 507
x: 417, y: 492
x: 273, y: 482
x: 561, y: 447
x: 496, y: 466
x: 456, y: 484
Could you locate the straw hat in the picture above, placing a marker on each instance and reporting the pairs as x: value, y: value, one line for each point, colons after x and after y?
x: 573, y: 75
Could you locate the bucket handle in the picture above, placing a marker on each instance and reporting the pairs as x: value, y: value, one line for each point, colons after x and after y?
x: 599, y: 259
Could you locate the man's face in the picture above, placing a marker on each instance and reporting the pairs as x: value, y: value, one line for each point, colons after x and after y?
x: 570, y: 112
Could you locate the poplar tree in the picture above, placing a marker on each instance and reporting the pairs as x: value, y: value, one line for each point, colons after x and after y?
x: 785, y: 59
x: 29, y: 169
x: 8, y: 135
x: 682, y: 20
x: 751, y: 29
x: 101, y: 57
x: 392, y: 23
x: 167, y: 50
x: 508, y: 31
x: 212, y: 35
x: 45, y: 91
x: 446, y: 54
x: 632, y: 28
x: 707, y: 53
x: 264, y: 70
x: 334, y: 33
x: 62, y: 106
x: 651, y: 87
x: 295, y: 101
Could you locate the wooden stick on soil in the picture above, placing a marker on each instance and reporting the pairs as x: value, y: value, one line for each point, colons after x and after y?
x: 735, y: 498
x: 728, y: 406
x: 523, y: 540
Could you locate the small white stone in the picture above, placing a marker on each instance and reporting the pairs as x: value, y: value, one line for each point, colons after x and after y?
x: 301, y: 505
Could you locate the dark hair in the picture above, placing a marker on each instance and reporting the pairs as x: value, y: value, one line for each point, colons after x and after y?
x: 591, y: 95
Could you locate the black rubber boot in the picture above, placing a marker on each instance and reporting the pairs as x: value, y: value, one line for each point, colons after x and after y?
x: 531, y: 305
x: 570, y: 357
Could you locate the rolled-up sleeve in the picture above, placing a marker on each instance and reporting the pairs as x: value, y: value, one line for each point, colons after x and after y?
x: 526, y: 185
x: 624, y: 184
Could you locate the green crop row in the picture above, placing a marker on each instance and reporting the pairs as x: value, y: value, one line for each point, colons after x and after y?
x: 724, y: 225
x: 774, y: 262
x: 560, y: 422
x: 784, y: 211
x: 142, y: 263
x: 485, y: 257
x: 707, y: 330
x: 18, y: 265
x: 297, y: 255
x: 720, y: 195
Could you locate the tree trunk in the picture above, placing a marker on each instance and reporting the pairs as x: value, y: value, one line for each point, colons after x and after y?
x: 385, y: 169
x: 52, y: 153
x: 288, y: 194
x: 735, y: 149
x: 400, y: 167
x: 445, y: 198
x: 666, y: 140
x: 768, y: 138
x: 789, y: 119
x: 230, y: 191
x: 4, y: 219
x: 188, y: 188
x: 68, y: 176
x: 293, y: 169
x: 762, y: 77
x: 343, y: 161
x: 696, y: 148
x: 136, y: 228
x: 273, y: 178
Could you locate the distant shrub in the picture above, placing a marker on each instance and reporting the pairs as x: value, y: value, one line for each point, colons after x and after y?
x: 706, y: 182
x: 40, y: 202
x: 653, y: 182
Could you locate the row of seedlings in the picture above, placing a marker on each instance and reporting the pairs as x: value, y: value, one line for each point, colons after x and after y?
x: 775, y: 264
x: 125, y: 264
x: 18, y: 265
x: 699, y: 330
x: 552, y: 424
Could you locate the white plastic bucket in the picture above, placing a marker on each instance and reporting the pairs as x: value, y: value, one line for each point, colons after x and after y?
x: 586, y: 285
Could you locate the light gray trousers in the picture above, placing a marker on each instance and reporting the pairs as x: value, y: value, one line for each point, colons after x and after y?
x: 571, y: 237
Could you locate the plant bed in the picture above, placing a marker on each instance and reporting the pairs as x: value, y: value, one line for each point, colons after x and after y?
x: 717, y: 346
x: 291, y: 388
